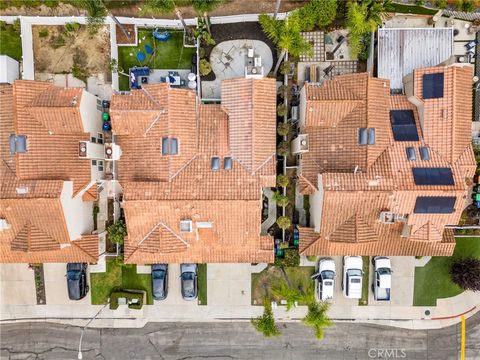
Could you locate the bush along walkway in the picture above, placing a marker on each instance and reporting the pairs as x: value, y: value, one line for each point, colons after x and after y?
x: 39, y: 284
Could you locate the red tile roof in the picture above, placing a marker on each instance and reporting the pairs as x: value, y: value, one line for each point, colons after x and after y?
x: 348, y: 221
x: 159, y: 191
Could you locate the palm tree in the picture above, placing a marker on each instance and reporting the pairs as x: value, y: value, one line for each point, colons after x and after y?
x: 286, y: 35
x: 96, y: 13
x: 203, y: 7
x: 317, y: 317
x: 287, y: 293
x: 266, y: 323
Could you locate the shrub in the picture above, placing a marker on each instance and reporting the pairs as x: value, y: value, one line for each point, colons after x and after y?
x: 283, y: 129
x: 466, y: 273
x: 43, y: 33
x: 280, y: 199
x: 420, y: 2
x: 283, y: 149
x: 117, y: 232
x: 204, y: 67
x: 202, y: 53
x: 282, y: 110
x: 16, y: 26
x: 441, y: 4
x: 72, y: 27
x: 282, y: 180
x: 291, y: 258
x: 129, y: 295
x: 266, y: 323
x: 284, y: 222
x: 285, y: 68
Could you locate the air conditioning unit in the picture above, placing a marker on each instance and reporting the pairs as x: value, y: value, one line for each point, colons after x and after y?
x: 387, y: 217
x: 112, y: 151
x: 4, y: 225
x: 300, y: 144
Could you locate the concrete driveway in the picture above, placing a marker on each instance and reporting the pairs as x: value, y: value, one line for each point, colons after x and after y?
x: 56, y: 285
x: 17, y: 285
x: 174, y: 296
x: 229, y: 284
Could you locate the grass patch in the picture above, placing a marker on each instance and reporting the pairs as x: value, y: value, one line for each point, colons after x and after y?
x: 10, y: 41
x: 412, y: 9
x: 272, y: 276
x: 202, y: 284
x: 433, y: 281
x: 366, y: 276
x: 168, y: 54
x: 125, y: 277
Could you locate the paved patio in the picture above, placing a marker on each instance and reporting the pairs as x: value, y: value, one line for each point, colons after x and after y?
x: 228, y: 61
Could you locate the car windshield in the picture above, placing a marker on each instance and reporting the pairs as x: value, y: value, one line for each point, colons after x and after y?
x: 187, y: 276
x: 159, y: 274
x: 188, y: 284
x: 73, y: 275
x: 328, y: 274
x: 383, y: 271
x: 354, y: 272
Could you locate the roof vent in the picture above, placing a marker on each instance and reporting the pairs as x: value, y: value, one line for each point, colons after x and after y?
x: 4, y: 225
x: 186, y: 225
x: 411, y: 154
x: 204, y: 224
x: 22, y: 190
x: 74, y: 100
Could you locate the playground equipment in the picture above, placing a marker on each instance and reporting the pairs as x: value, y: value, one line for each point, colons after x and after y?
x: 161, y: 35
x: 148, y: 49
x: 140, y: 56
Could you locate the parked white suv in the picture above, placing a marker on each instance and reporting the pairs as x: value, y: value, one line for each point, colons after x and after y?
x: 325, y: 279
x: 382, y: 282
x: 352, y: 277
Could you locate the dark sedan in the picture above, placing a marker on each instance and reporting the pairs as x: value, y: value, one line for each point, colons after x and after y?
x: 160, y: 281
x: 189, y: 281
x: 77, y: 280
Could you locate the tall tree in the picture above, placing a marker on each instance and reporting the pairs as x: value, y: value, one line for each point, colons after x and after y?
x: 466, y: 273
x: 96, y: 13
x: 165, y: 7
x: 317, y: 317
x: 286, y: 34
x: 203, y: 7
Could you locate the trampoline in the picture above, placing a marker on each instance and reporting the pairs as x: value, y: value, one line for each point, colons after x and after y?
x: 161, y: 35
x: 148, y: 49
x: 141, y: 56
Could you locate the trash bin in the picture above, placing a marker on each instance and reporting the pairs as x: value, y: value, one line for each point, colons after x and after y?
x: 105, y: 116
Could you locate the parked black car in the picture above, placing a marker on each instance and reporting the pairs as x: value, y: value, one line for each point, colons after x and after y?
x: 160, y: 281
x: 77, y: 280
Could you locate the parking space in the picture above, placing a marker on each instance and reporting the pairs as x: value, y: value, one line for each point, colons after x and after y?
x: 229, y: 284
x: 174, y: 296
x: 56, y: 289
x: 17, y: 285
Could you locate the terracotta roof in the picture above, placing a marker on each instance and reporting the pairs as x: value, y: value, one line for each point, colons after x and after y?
x: 38, y: 233
x: 349, y: 219
x: 91, y: 194
x: 49, y: 156
x: 251, y: 106
x: 155, y: 197
x: 154, y: 233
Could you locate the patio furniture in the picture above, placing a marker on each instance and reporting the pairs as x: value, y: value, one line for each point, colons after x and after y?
x: 163, y: 79
x: 148, y: 49
x: 192, y: 77
x: 122, y: 301
x: 174, y: 80
x: 192, y: 84
x: 140, y: 56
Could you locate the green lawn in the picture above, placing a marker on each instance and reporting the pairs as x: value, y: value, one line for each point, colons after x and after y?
x: 433, y: 282
x: 300, y: 276
x: 116, y: 276
x: 168, y: 54
x: 366, y: 276
x: 202, y: 284
x: 10, y: 42
x: 412, y: 9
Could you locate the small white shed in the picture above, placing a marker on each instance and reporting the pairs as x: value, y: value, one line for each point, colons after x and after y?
x: 9, y: 69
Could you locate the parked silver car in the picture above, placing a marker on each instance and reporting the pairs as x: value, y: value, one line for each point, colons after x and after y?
x: 188, y: 275
x: 160, y: 281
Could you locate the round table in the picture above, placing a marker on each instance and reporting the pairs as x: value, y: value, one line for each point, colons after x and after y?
x: 192, y: 84
x: 192, y: 77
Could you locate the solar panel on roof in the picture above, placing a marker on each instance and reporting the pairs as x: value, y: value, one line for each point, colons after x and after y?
x: 432, y: 85
x: 435, y: 205
x: 403, y: 125
x: 433, y: 176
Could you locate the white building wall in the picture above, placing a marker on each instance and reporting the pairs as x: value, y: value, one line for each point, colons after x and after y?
x: 316, y: 206
x: 91, y: 116
x: 9, y: 69
x: 302, y: 107
x: 78, y: 213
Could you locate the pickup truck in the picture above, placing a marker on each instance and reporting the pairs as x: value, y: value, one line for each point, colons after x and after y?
x: 382, y: 283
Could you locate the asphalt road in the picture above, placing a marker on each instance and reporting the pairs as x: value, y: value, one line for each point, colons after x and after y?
x: 182, y: 341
